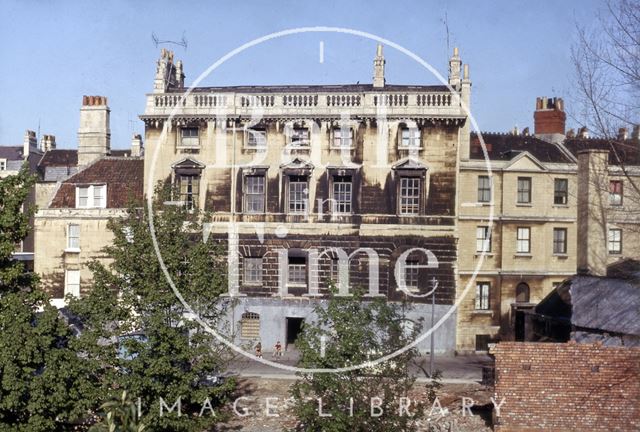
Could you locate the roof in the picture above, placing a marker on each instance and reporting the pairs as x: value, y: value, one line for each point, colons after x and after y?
x: 122, y: 175
x: 605, y: 304
x: 11, y: 152
x: 59, y: 164
x: 507, y: 146
x: 315, y: 88
x: 625, y: 152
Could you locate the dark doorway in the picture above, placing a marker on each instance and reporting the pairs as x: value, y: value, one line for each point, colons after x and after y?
x: 294, y: 326
x: 519, y: 327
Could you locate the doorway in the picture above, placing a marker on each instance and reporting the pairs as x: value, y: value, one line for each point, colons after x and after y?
x: 294, y: 327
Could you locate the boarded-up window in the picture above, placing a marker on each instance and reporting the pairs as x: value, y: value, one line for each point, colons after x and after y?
x: 250, y: 326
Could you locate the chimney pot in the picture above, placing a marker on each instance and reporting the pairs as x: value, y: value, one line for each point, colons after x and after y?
x: 622, y: 134
x: 635, y: 134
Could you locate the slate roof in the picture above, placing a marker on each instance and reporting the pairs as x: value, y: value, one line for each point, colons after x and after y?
x: 11, y: 152
x: 355, y: 88
x: 58, y: 164
x: 506, y: 146
x: 605, y: 304
x: 122, y: 175
x: 625, y: 152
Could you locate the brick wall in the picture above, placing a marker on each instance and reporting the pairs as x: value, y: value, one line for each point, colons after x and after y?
x: 567, y: 387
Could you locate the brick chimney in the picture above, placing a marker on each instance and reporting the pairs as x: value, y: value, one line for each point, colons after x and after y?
x: 593, y: 195
x: 549, y: 117
x: 94, y: 134
x: 30, y: 142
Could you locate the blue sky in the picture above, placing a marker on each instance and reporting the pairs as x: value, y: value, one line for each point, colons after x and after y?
x: 53, y: 52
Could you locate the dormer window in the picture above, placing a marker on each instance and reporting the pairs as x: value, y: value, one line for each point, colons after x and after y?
x: 93, y: 196
x: 256, y: 138
x: 189, y: 137
x: 343, y: 138
x: 300, y: 137
x: 409, y: 137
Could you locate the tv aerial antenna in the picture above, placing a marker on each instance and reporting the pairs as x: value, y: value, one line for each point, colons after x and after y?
x: 157, y: 41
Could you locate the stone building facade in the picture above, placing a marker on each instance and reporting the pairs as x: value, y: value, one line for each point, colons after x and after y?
x: 12, y: 158
x: 531, y: 242
x: 78, y: 192
x: 296, y: 175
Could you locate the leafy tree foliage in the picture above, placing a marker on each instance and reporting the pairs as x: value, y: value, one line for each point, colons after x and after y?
x: 171, y: 354
x: 42, y: 384
x: 355, y: 332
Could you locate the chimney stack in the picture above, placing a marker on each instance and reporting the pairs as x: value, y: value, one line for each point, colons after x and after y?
x: 593, y: 190
x: 137, y: 148
x: 622, y: 134
x: 30, y: 142
x: 94, y: 134
x: 549, y: 117
x: 454, y: 69
x: 583, y: 132
x: 378, y: 68
x: 47, y: 142
x: 635, y: 133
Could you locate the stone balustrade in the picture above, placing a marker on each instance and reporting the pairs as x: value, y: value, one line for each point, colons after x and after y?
x: 282, y: 104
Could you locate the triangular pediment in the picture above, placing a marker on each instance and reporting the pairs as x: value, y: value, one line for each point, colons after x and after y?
x: 525, y: 161
x: 297, y: 163
x: 188, y: 163
x: 409, y: 163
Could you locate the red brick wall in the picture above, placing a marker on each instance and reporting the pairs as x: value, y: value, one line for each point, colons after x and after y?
x: 567, y: 387
x: 549, y: 121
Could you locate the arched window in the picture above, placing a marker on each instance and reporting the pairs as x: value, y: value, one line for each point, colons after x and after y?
x: 250, y: 326
x: 522, y: 293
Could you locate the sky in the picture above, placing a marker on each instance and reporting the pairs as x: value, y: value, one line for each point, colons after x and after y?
x: 54, y: 52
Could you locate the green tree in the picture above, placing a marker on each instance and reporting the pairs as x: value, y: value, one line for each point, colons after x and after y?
x: 171, y: 353
x: 120, y: 415
x: 42, y: 384
x: 356, y: 331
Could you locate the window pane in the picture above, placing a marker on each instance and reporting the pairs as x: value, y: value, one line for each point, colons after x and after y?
x: 189, y: 190
x: 297, y: 194
x: 483, y: 240
x: 482, y: 295
x: 189, y: 137
x: 615, y: 192
x: 300, y: 137
x: 412, y: 273
x: 524, y: 190
x: 484, y: 189
x: 297, y: 270
x: 615, y: 241
x: 409, y: 195
x: 342, y: 194
x: 522, y: 242
x: 254, y: 194
x: 74, y: 237
x: 99, y: 196
x: 253, y: 270
x: 256, y: 138
x: 72, y: 283
x: 560, y: 192
x: 83, y: 196
x: 559, y: 240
